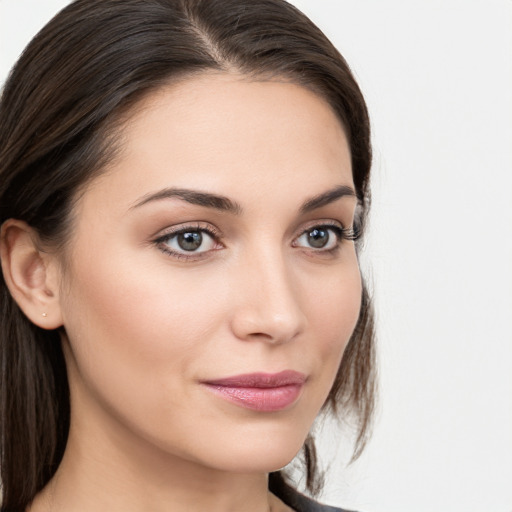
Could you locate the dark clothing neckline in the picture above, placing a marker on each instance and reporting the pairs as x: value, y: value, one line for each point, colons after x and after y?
x: 301, y: 503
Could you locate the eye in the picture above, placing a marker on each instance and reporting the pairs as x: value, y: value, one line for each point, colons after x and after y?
x: 190, y: 241
x: 320, y: 237
x: 187, y: 242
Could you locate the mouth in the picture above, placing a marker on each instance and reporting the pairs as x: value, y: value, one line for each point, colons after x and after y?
x: 264, y: 392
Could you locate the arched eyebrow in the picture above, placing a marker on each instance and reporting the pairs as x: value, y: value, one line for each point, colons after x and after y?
x: 326, y: 198
x: 219, y: 202
x: 205, y: 199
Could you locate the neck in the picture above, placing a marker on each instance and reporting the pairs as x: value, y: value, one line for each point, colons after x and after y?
x: 112, y: 469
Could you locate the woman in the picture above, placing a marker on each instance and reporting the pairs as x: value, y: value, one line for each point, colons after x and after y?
x: 183, y: 183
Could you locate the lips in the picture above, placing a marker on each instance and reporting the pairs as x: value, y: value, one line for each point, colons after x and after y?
x: 264, y: 392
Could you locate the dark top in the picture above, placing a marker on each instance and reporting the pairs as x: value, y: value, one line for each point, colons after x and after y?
x: 301, y: 503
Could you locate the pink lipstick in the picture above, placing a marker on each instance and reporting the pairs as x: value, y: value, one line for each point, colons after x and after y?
x: 265, y: 392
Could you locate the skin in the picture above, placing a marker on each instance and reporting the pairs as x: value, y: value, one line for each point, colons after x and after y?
x: 144, y: 328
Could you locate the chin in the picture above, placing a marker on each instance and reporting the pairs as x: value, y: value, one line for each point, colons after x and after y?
x: 255, y: 462
x: 271, y: 460
x: 261, y: 453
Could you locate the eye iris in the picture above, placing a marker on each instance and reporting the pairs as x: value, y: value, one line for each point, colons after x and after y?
x: 190, y: 241
x: 318, y: 238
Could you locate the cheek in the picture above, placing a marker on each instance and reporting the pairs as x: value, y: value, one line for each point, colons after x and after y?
x: 139, y: 313
x: 334, y: 311
x: 138, y: 335
x: 335, y: 308
x: 133, y: 327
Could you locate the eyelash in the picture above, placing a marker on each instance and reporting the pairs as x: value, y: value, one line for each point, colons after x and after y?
x: 340, y: 232
x: 172, y: 233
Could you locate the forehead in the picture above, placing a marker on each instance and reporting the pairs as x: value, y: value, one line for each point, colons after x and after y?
x: 227, y: 134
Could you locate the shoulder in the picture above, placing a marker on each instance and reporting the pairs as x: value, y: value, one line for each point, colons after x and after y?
x: 301, y: 503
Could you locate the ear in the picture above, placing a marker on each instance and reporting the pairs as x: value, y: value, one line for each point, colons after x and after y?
x: 31, y: 274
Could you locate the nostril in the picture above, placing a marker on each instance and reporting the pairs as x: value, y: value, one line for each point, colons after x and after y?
x: 268, y: 304
x: 260, y: 324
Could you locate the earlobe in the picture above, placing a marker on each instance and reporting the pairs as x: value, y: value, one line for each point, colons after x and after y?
x: 30, y: 274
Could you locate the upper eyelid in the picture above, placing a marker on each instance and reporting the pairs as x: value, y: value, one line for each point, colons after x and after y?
x: 348, y: 233
x: 182, y: 228
x: 174, y: 231
x: 324, y: 222
x: 214, y: 231
x: 217, y: 234
x: 319, y: 223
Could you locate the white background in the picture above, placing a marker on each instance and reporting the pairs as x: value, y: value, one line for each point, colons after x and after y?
x: 437, y: 75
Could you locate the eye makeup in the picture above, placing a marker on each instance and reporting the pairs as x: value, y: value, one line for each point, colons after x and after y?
x: 197, y: 240
x: 192, y: 241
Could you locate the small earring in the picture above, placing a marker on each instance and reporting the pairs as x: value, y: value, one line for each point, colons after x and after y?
x: 45, y: 315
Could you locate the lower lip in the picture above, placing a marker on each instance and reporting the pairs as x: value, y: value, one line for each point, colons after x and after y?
x: 259, y: 399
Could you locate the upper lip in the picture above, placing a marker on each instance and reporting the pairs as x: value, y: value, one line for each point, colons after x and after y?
x: 261, y: 380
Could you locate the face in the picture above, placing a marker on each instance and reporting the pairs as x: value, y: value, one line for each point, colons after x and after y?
x: 211, y: 282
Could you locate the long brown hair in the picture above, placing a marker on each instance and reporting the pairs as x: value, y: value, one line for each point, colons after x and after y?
x: 58, y: 116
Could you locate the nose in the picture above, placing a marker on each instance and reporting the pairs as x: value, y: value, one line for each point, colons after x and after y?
x: 267, y: 305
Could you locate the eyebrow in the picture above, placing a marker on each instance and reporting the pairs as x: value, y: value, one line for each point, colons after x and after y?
x: 327, y: 197
x: 223, y: 203
x: 205, y: 199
